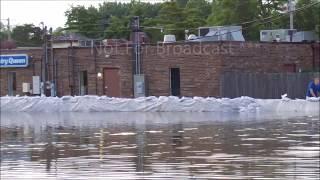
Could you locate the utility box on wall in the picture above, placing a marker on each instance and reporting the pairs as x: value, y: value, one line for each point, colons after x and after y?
x: 276, y: 35
x: 139, y: 85
x: 26, y: 87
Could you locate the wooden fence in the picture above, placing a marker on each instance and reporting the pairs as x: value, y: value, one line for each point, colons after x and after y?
x: 265, y: 86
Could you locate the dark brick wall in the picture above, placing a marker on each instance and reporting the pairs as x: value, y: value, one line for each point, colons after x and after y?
x: 72, y: 61
x: 22, y: 74
x: 201, y: 65
x: 199, y: 72
x: 268, y: 57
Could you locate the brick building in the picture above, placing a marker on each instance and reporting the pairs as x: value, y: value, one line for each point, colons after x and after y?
x: 186, y: 69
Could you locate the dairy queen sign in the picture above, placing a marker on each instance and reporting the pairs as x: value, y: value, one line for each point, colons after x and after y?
x: 13, y: 60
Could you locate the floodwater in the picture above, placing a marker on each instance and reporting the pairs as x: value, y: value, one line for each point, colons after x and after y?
x: 159, y: 146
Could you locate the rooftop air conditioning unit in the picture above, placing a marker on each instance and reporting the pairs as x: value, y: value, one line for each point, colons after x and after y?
x: 169, y: 38
x: 305, y: 36
x: 221, y: 33
x: 192, y: 37
x: 278, y: 35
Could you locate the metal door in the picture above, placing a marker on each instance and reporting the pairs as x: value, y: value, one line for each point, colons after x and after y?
x: 112, y: 82
x: 83, y: 83
x: 175, y: 81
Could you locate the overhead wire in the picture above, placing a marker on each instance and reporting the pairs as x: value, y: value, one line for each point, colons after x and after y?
x: 242, y: 23
x: 258, y: 21
x: 272, y: 18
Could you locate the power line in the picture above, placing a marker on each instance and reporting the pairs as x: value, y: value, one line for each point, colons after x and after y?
x: 244, y: 23
x: 272, y: 18
x: 252, y: 21
x: 239, y: 24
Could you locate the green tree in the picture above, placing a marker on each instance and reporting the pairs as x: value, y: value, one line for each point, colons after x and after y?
x: 235, y: 12
x: 144, y: 10
x: 181, y: 3
x: 172, y: 18
x: 3, y: 32
x: 193, y: 20
x: 118, y: 28
x: 27, y: 35
x: 308, y: 19
x: 268, y: 8
x: 196, y: 12
x: 86, y: 21
x: 108, y: 9
x: 58, y: 31
x: 112, y: 19
x: 202, y: 7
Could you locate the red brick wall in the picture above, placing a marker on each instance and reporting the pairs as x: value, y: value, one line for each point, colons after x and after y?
x: 80, y: 59
x: 199, y: 72
x: 267, y: 57
x: 316, y: 56
x: 85, y: 59
x: 201, y: 65
x: 23, y: 75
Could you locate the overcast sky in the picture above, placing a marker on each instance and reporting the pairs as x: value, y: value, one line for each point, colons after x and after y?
x: 51, y: 12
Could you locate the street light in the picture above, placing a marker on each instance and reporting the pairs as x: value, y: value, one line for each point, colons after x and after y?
x: 99, y: 75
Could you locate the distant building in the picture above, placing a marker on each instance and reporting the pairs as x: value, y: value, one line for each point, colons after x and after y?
x: 7, y: 44
x: 143, y: 39
x: 74, y: 40
x: 115, y: 42
x: 219, y: 33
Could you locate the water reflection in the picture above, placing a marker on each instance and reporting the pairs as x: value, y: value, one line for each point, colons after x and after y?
x: 158, y: 146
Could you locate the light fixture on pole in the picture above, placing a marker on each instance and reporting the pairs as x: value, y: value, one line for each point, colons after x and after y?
x: 99, y: 75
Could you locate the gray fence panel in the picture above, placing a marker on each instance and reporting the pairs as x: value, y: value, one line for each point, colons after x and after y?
x: 265, y: 86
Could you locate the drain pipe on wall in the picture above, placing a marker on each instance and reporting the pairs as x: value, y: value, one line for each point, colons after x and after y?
x: 315, y: 67
x: 95, y: 67
x: 69, y: 70
x: 53, y: 82
x: 56, y: 76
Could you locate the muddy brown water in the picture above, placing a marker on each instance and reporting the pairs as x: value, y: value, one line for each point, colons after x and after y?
x: 159, y: 146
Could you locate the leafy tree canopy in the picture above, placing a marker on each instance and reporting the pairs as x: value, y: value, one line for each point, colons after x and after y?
x: 27, y: 35
x: 112, y: 19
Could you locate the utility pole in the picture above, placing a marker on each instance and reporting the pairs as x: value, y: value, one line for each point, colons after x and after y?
x: 136, y: 43
x: 291, y: 10
x: 138, y: 77
x: 9, y: 32
x: 53, y: 82
x: 44, y: 61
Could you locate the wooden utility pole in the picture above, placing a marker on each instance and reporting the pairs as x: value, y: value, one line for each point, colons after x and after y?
x: 8, y: 27
x: 44, y: 62
x: 291, y: 10
x: 136, y: 42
